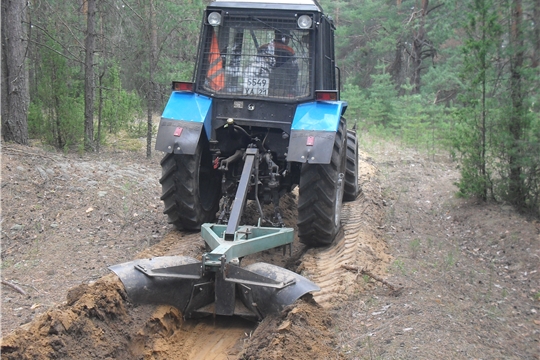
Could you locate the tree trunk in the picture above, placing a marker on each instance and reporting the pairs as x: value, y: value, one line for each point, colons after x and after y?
x: 152, y: 88
x: 516, y: 187
x: 397, y: 66
x: 15, y: 96
x: 536, y: 38
x: 417, y: 47
x: 89, y: 76
x: 483, y: 130
x: 100, y: 110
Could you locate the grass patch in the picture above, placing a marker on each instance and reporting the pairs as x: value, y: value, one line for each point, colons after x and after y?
x: 414, y: 247
x: 128, y: 144
x: 399, y: 266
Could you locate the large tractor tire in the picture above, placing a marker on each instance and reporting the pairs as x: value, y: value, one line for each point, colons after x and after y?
x: 191, y: 188
x: 321, y: 195
x: 352, y: 189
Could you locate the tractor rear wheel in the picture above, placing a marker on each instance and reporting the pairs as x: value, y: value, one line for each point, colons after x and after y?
x: 321, y: 194
x: 351, y: 190
x: 191, y: 188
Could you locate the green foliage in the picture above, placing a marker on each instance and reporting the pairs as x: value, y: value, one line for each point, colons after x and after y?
x: 367, y: 34
x: 374, y: 106
x: 36, y: 118
x: 356, y: 100
x: 411, y: 118
x: 139, y: 128
x: 383, y: 98
x: 57, y: 109
x: 121, y: 108
x: 475, y: 131
x: 177, y: 25
x: 525, y: 154
x: 466, y: 144
x: 373, y: 46
x: 490, y: 152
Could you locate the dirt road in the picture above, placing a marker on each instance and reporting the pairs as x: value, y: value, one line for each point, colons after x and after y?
x: 468, y: 272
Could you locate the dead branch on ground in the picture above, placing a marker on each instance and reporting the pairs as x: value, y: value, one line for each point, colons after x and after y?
x: 14, y: 287
x: 14, y: 151
x: 396, y: 290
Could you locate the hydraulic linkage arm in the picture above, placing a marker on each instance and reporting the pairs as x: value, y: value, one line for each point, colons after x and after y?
x: 233, y: 241
x: 241, y: 193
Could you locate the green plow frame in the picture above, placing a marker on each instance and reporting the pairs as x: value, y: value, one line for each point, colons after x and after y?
x: 217, y: 285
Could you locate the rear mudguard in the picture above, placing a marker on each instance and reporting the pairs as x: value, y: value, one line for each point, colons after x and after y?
x: 183, y: 121
x: 313, y: 131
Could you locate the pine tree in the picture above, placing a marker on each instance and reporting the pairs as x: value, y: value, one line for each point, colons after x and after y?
x: 14, y: 73
x: 472, y: 131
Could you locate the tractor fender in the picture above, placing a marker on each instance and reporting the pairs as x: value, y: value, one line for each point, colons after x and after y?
x: 182, y: 122
x: 313, y: 131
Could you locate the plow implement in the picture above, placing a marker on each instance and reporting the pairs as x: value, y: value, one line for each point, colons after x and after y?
x: 218, y: 285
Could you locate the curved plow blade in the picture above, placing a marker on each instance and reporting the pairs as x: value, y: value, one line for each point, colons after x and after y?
x: 264, y: 300
x: 171, y: 280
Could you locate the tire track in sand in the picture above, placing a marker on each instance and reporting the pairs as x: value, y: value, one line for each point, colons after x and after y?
x: 358, y: 244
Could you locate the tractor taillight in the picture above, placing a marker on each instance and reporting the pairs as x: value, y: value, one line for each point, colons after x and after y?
x: 326, y: 95
x: 310, y: 141
x: 182, y: 86
x: 178, y: 131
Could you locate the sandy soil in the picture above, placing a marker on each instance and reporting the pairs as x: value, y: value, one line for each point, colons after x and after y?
x: 470, y: 271
x: 467, y: 272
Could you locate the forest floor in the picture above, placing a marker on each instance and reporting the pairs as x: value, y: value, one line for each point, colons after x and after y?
x: 461, y: 277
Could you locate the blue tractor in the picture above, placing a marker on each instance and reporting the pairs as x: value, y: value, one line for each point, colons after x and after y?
x: 261, y: 116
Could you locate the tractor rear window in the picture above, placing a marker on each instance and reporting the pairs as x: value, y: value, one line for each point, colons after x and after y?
x: 255, y: 57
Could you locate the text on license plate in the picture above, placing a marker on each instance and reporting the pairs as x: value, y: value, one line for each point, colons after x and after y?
x: 256, y: 86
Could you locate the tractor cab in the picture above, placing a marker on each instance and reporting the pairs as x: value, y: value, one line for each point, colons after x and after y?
x: 249, y: 51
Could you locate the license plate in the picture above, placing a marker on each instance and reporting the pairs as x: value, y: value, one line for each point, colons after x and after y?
x: 256, y: 86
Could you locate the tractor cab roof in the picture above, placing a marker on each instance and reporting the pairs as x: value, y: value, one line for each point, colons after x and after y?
x: 305, y: 5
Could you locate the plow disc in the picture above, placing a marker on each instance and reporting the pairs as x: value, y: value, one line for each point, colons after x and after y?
x: 268, y: 300
x: 252, y: 292
x: 175, y: 291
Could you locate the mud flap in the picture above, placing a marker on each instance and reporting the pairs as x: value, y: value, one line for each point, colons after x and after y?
x: 182, y: 286
x: 263, y: 300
